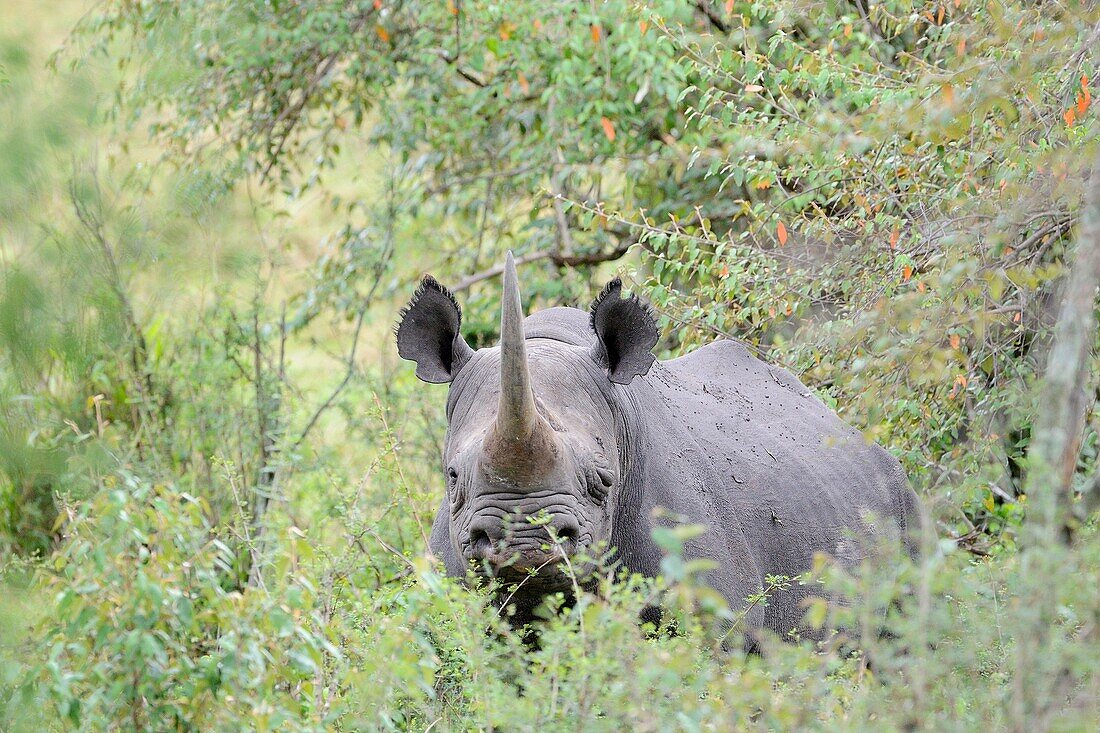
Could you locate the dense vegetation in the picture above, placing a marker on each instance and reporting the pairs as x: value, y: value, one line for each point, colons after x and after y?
x: 216, y: 477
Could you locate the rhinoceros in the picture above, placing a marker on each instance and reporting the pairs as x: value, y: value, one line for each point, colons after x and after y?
x: 572, y: 422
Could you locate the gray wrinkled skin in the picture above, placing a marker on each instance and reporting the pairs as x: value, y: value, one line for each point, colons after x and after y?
x: 717, y: 437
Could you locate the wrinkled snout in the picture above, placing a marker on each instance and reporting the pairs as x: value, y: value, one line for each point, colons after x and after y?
x: 512, y: 544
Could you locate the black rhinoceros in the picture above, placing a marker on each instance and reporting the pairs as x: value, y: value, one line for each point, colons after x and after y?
x: 571, y: 417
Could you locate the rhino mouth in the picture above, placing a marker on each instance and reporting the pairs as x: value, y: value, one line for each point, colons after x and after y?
x: 533, y: 573
x: 527, y: 583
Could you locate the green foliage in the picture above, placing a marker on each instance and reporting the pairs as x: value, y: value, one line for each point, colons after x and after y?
x: 216, y: 482
x: 150, y: 631
x: 84, y: 387
x: 897, y: 222
x: 877, y: 200
x: 146, y: 629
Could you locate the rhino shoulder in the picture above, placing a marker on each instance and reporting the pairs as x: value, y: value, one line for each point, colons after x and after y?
x: 568, y: 325
x: 716, y: 359
x: 728, y: 359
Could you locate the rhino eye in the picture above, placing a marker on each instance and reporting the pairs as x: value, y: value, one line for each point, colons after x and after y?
x: 458, y: 498
x: 600, y: 481
x: 606, y: 478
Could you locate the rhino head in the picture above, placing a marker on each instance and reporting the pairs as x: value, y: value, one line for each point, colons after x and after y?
x: 535, y: 456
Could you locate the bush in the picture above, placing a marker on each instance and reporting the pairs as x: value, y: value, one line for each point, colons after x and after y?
x: 150, y: 628
x: 213, y: 509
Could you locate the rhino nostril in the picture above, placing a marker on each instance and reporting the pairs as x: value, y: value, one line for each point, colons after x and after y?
x: 567, y: 538
x: 480, y: 544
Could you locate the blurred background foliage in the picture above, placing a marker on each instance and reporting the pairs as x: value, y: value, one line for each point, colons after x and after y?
x: 216, y: 478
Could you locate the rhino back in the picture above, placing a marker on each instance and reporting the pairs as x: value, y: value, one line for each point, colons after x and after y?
x: 787, y: 471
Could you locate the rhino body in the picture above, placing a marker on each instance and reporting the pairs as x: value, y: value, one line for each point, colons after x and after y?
x: 716, y: 438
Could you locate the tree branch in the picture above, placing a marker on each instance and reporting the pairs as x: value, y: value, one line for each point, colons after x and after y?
x: 712, y: 15
x: 349, y: 372
x: 291, y: 114
x: 92, y: 221
x: 452, y: 61
x: 561, y: 260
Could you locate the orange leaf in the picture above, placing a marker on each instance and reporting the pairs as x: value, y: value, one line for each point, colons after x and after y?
x: 906, y: 273
x: 608, y: 128
x: 955, y: 341
x: 1082, y: 104
x: 894, y: 239
x: 643, y: 26
x: 1016, y: 318
x: 921, y: 286
x: 452, y: 8
x: 948, y: 92
x: 341, y: 123
x: 729, y: 6
x: 382, y: 33
x: 958, y: 3
x: 595, y: 33
x: 781, y: 232
x: 724, y: 272
x: 939, y: 16
x: 1069, y: 117
x: 960, y: 47
x: 789, y: 309
x: 1085, y: 82
x: 377, y: 4
x: 523, y: 84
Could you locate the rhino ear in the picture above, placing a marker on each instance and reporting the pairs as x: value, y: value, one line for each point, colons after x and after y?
x: 428, y: 333
x: 625, y: 334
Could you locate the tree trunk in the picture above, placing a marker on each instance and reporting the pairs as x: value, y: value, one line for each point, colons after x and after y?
x: 1064, y: 394
x: 1038, y: 684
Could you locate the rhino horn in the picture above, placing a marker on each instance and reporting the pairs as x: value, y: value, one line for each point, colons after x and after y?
x: 521, y: 444
x: 516, y: 415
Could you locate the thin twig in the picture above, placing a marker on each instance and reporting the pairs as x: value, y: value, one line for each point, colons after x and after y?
x: 560, y: 260
x: 349, y: 372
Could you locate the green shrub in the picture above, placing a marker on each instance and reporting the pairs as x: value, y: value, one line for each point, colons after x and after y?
x: 878, y: 196
x: 151, y: 629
